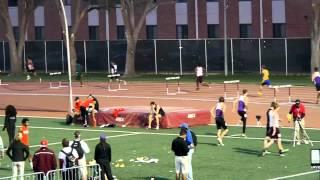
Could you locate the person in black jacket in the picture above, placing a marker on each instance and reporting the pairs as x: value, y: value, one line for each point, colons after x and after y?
x: 18, y: 153
x: 102, y: 155
x: 10, y: 121
x: 180, y: 148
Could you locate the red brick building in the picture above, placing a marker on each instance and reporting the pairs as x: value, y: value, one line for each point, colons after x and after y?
x: 179, y: 19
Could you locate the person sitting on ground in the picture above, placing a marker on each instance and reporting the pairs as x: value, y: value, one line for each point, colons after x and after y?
x: 31, y: 70
x: 156, y: 112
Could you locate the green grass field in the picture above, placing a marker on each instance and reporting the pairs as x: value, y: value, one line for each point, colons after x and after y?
x: 238, y: 159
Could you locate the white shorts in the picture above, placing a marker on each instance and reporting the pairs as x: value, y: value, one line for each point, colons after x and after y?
x: 181, y: 164
x: 83, y: 170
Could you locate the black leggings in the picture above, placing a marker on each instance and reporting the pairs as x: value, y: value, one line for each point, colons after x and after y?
x: 243, y: 116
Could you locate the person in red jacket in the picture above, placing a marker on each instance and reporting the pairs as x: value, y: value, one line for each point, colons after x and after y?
x: 298, y: 113
x: 44, y: 160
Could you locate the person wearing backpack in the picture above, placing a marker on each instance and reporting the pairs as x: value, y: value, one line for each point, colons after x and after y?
x: 82, y: 148
x: 191, y: 140
x: 68, y: 158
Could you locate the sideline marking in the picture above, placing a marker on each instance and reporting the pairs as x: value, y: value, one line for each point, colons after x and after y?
x: 294, y: 175
x: 90, y: 139
x: 156, y: 133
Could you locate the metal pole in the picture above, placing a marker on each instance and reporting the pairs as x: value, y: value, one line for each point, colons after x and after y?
x: 259, y: 55
x: 62, y: 56
x: 107, y: 25
x: 231, y: 44
x: 68, y: 56
x: 155, y: 56
x: 180, y: 52
x: 286, y: 54
x: 196, y: 18
x: 108, y: 43
x: 261, y: 19
x: 24, y: 58
x: 45, y: 56
x: 206, y: 54
x: 225, y: 38
x: 85, y: 56
x: 4, y: 56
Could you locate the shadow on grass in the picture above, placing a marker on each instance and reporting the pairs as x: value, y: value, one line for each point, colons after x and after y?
x: 205, y: 143
x: 155, y: 178
x: 209, y: 133
x: 248, y: 151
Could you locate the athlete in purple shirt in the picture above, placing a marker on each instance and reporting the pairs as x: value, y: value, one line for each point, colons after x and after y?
x: 218, y: 112
x: 316, y: 80
x: 242, y: 103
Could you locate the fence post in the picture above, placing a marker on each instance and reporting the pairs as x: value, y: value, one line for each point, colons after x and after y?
x: 259, y: 55
x: 45, y: 56
x: 85, y: 56
x: 286, y: 54
x: 24, y: 57
x: 231, y: 46
x: 4, y: 56
x: 180, y: 52
x: 206, y: 54
x: 62, y: 56
x: 155, y: 56
x: 108, y: 59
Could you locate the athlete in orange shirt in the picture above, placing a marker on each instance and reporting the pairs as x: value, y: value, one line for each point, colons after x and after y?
x: 24, y: 130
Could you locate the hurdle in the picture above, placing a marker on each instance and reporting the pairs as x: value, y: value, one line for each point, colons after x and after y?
x: 276, y: 89
x: 111, y: 76
x: 55, y: 85
x: 225, y: 88
x: 2, y: 84
x: 178, y: 91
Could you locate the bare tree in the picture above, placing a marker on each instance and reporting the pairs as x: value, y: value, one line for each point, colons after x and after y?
x: 79, y: 9
x: 134, y: 14
x: 315, y: 35
x: 26, y: 9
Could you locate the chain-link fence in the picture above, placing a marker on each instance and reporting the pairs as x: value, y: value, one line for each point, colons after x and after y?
x: 172, y: 56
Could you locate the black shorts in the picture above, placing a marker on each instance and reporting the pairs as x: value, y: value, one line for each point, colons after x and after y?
x: 221, y: 124
x: 243, y: 115
x: 200, y: 79
x: 277, y: 134
x: 317, y: 87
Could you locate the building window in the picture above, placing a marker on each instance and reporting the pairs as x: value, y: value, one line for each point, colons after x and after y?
x: 182, y: 32
x: 279, y: 30
x: 212, y: 0
x: 120, y: 32
x: 93, y: 32
x: 12, y: 3
x: 67, y: 2
x: 181, y: 1
x: 213, y: 30
x: 151, y: 31
x: 245, y: 30
x: 39, y: 33
x: 16, y: 32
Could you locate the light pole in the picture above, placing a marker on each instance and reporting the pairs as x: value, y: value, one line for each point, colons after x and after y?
x: 70, y: 107
x: 225, y: 37
x: 196, y: 18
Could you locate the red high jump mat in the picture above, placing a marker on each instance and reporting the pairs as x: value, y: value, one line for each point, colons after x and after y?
x: 137, y: 116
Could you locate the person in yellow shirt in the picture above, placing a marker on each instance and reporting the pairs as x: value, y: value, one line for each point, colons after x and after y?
x: 265, y: 78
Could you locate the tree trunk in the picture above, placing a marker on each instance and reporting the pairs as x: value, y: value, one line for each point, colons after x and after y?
x: 130, y: 60
x: 315, y: 52
x: 15, y: 61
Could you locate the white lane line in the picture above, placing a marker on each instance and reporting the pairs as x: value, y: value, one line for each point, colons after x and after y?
x: 294, y: 175
x: 138, y: 97
x: 91, y: 139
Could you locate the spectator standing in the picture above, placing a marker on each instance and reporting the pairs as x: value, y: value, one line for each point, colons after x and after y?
x: 10, y: 122
x: 18, y: 153
x: 180, y: 148
x: 82, y: 149
x: 24, y: 130
x: 68, y: 157
x: 102, y: 155
x: 44, y: 160
x: 191, y: 146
